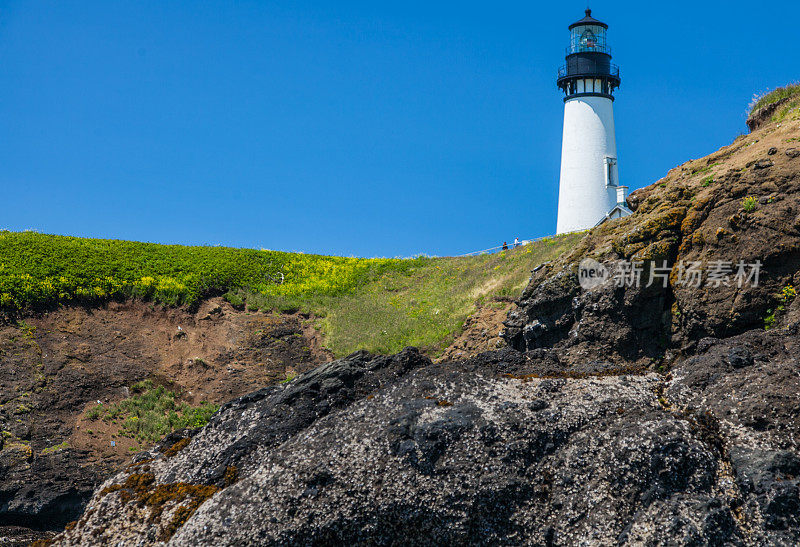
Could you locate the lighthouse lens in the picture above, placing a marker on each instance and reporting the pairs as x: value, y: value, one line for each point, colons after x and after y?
x: 588, y: 38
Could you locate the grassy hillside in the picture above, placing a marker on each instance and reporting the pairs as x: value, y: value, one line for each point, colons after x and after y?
x: 422, y: 304
x: 38, y: 270
x: 376, y: 304
x: 790, y: 110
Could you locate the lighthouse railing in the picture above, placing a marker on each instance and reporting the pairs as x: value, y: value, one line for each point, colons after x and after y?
x: 580, y: 48
x: 522, y: 243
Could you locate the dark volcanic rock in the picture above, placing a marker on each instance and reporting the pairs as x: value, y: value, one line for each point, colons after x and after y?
x: 372, y: 449
x: 739, y: 357
x: 45, y: 492
x: 619, y: 323
x: 763, y: 164
x: 753, y: 402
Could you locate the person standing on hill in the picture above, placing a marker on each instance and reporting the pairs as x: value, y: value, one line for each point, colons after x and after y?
x: 505, y: 246
x: 516, y: 242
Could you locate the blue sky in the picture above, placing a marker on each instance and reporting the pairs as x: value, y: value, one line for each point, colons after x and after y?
x: 352, y: 128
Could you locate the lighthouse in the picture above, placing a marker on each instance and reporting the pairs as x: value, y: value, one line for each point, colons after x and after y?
x: 589, y: 190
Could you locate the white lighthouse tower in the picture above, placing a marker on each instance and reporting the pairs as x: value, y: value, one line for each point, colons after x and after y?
x: 589, y: 191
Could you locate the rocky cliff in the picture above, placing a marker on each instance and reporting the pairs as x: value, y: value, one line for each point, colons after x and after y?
x: 620, y: 414
x: 56, y: 366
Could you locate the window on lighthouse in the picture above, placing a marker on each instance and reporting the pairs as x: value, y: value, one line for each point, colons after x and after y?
x: 610, y: 179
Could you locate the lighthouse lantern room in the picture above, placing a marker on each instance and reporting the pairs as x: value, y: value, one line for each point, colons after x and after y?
x: 589, y: 189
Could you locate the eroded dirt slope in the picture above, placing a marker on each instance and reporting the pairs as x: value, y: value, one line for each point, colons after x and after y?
x: 481, y: 331
x: 58, y: 365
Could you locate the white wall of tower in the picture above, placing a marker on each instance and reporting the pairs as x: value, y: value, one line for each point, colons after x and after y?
x: 588, y: 139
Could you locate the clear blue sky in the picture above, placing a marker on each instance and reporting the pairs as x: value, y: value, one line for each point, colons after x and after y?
x: 354, y: 128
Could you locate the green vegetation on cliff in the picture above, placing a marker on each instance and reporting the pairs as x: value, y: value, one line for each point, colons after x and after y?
x: 787, y: 91
x: 377, y: 304
x: 39, y: 271
x: 790, y: 109
x: 152, y: 412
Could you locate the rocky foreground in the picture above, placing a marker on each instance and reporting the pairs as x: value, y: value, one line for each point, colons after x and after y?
x: 618, y: 415
x: 491, y: 450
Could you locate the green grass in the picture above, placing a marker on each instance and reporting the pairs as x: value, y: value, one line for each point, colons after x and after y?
x: 749, y: 204
x: 152, y: 412
x: 376, y: 304
x: 288, y: 379
x: 791, y: 90
x: 423, y: 305
x: 704, y: 169
x: 53, y: 449
x: 784, y: 298
x: 788, y: 111
x: 40, y: 271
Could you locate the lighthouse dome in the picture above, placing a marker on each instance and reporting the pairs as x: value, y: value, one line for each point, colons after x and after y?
x: 588, y: 20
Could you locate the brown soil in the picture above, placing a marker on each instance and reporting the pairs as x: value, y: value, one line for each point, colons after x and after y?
x: 762, y: 117
x: 213, y: 355
x: 58, y: 365
x: 481, y: 332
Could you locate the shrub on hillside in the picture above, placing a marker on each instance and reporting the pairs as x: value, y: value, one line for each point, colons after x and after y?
x: 152, y: 412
